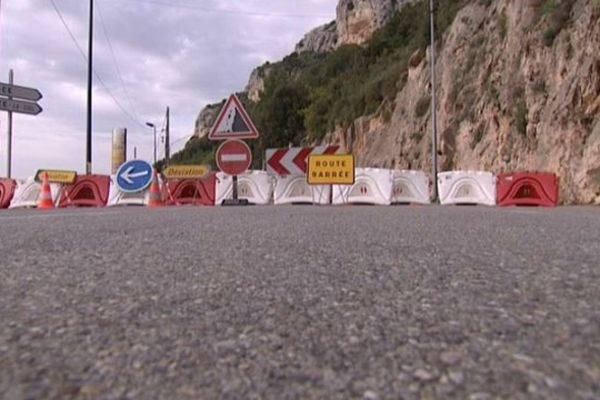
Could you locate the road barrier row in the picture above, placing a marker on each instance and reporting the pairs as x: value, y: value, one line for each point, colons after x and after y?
x: 371, y: 186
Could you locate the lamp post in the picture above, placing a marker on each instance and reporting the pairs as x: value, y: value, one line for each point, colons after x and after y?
x: 88, y: 146
x: 433, y: 103
x: 151, y: 125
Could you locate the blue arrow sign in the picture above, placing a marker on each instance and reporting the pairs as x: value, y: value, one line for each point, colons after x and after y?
x: 134, y: 176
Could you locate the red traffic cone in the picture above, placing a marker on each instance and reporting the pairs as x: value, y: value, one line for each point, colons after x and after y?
x: 45, y: 201
x: 155, y: 199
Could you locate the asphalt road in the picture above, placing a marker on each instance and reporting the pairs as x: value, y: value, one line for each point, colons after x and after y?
x: 300, y: 303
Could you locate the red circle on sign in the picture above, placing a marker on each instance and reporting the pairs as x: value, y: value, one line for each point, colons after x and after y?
x: 234, y: 157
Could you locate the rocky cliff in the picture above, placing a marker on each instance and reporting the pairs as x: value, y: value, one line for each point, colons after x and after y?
x: 519, y: 89
x: 355, y: 23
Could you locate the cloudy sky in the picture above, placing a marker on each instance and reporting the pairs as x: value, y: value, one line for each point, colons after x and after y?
x: 181, y: 53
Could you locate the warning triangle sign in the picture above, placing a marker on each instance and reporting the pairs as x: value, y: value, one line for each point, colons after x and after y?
x: 233, y: 122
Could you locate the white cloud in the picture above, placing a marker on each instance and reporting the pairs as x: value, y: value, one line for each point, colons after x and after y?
x: 183, y: 53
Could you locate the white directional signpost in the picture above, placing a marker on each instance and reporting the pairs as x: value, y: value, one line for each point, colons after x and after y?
x: 18, y: 99
x: 20, y: 92
x: 18, y: 106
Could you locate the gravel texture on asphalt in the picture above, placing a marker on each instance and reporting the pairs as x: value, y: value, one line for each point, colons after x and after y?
x: 300, y: 303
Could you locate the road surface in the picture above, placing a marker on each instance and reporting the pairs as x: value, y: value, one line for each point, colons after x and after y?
x: 300, y: 303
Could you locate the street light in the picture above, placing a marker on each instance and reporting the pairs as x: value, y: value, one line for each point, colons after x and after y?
x: 151, y: 125
x: 88, y: 140
x: 434, y: 139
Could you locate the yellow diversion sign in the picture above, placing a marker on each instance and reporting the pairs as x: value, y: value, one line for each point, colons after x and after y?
x: 331, y: 169
x: 57, y: 176
x: 186, y: 171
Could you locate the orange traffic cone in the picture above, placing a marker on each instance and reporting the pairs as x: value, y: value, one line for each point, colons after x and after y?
x: 155, y: 199
x: 45, y: 201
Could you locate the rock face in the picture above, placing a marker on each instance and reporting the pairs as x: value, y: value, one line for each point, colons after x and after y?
x: 355, y: 23
x: 357, y: 20
x: 206, y: 118
x: 509, y: 100
x: 256, y: 83
x: 319, y: 40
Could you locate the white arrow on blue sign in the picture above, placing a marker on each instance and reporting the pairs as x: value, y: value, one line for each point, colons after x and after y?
x: 134, y: 176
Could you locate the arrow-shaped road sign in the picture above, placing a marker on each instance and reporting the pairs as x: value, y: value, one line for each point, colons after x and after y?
x: 18, y: 106
x: 293, y: 161
x: 19, y: 92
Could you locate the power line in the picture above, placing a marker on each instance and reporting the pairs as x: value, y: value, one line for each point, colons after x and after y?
x: 229, y: 11
x: 114, y: 58
x: 161, y: 150
x: 187, y: 137
x: 95, y: 73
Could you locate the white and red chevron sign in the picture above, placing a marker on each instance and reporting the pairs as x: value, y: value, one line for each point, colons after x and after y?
x: 293, y: 161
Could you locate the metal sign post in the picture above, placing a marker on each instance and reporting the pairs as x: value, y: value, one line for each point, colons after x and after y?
x: 234, y: 193
x: 9, y: 132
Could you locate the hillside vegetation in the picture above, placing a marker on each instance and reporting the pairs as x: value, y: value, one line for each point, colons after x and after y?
x: 518, y: 89
x: 308, y: 95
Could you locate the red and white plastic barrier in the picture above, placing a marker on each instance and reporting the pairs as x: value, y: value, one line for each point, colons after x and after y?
x: 86, y: 191
x: 528, y: 189
x: 255, y: 186
x: 411, y: 187
x: 294, y: 189
x: 27, y: 193
x: 193, y: 192
x: 467, y: 187
x: 371, y: 186
x: 7, y: 191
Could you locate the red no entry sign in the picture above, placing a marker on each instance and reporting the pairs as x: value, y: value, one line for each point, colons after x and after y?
x: 234, y: 157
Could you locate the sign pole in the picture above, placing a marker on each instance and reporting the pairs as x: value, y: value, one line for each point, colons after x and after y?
x: 9, y: 132
x: 235, y: 188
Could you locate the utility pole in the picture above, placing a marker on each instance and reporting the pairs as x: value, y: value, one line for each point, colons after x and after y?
x: 9, y: 132
x: 433, y: 103
x: 0, y: 22
x: 167, y: 138
x: 88, y: 151
x: 9, y: 121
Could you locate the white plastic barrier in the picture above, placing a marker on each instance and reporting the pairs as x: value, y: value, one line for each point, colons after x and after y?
x: 255, y: 186
x: 28, y: 191
x: 410, y: 187
x: 118, y: 198
x: 371, y: 186
x: 293, y: 189
x: 467, y: 187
